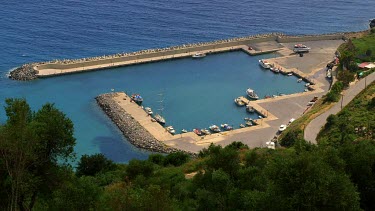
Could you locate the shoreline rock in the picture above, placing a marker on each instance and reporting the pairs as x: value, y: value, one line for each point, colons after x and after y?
x: 136, y: 134
x: 24, y: 73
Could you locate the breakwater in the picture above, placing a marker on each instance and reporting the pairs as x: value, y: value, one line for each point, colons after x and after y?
x: 68, y: 66
x: 132, y: 130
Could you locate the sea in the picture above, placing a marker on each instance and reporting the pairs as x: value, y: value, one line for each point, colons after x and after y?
x: 189, y: 93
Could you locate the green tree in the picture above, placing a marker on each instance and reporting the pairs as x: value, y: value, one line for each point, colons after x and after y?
x: 137, y: 167
x: 176, y: 158
x: 90, y: 165
x: 30, y: 147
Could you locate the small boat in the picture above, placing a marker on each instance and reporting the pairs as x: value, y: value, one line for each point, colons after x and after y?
x: 197, y: 131
x: 300, y: 48
x: 299, y: 80
x: 205, y: 132
x: 249, y: 123
x: 290, y: 74
x: 329, y: 74
x: 215, y: 128
x: 184, y: 131
x: 250, y: 109
x: 171, y: 130
x: 239, y: 101
x: 267, y: 96
x: 264, y: 64
x: 252, y: 94
x: 137, y: 98
x: 199, y: 55
x: 242, y: 125
x: 159, y: 118
x: 306, y: 90
x: 226, y: 127
x: 274, y: 70
x: 247, y: 118
x: 148, y: 110
x: 307, y: 84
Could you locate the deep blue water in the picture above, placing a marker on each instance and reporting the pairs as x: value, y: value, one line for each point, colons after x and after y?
x: 45, y: 30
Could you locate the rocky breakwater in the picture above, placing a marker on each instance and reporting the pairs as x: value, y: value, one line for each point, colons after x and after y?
x: 132, y: 130
x: 24, y: 73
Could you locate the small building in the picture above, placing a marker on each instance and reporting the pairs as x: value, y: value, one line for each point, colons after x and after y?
x: 363, y: 65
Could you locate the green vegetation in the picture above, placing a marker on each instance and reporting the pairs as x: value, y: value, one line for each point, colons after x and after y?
x: 335, y: 175
x: 365, y: 47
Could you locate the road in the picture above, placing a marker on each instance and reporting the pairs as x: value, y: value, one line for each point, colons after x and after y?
x: 313, y: 128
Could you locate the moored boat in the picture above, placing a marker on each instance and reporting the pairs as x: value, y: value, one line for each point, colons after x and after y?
x: 252, y: 94
x: 148, y: 110
x: 264, y: 64
x: 197, y: 131
x: 137, y: 98
x: 242, y: 125
x: 171, y: 130
x: 226, y: 127
x: 239, y: 101
x: 159, y: 118
x: 184, y: 131
x: 199, y: 55
x: 300, y: 48
x: 205, y: 131
x: 250, y: 109
x: 215, y: 128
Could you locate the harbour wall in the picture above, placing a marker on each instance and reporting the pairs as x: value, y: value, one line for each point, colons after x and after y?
x: 68, y: 66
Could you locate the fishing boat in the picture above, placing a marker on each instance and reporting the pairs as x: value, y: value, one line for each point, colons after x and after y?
x: 148, y: 110
x: 252, y: 94
x: 171, y: 130
x: 205, y: 131
x: 159, y: 118
x: 242, y: 125
x: 290, y: 74
x: 199, y: 55
x: 214, y: 128
x: 264, y: 64
x: 137, y: 98
x: 249, y: 123
x: 184, y: 131
x: 197, y: 131
x: 274, y: 69
x: 299, y: 80
x: 300, y: 48
x: 250, y: 109
x: 239, y: 101
x: 226, y: 127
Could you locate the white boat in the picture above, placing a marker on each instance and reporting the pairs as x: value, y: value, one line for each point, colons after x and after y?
x: 159, y: 118
x: 226, y: 127
x: 205, y: 132
x: 242, y: 125
x: 329, y: 74
x: 252, y: 94
x: 264, y: 64
x: 300, y: 48
x: 307, y: 84
x: 239, y: 101
x: 290, y: 74
x: 299, y: 80
x: 250, y: 109
x: 215, y: 128
x: 184, y: 131
x: 148, y: 110
x: 171, y: 130
x: 199, y: 55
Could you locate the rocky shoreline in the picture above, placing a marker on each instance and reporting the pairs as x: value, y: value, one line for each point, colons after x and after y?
x: 131, y: 129
x: 24, y: 73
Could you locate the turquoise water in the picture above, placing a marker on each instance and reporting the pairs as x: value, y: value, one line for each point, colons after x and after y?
x: 195, y: 93
x: 198, y: 93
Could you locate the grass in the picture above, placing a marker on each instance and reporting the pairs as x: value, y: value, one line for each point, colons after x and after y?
x: 365, y: 43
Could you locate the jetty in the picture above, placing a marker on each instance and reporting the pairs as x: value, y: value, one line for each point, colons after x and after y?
x: 35, y: 70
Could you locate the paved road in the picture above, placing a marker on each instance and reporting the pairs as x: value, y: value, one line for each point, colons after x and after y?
x: 313, y: 128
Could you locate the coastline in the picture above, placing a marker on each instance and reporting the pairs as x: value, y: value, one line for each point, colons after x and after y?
x: 130, y: 128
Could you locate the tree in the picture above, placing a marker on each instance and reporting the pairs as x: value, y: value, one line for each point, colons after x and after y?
x: 346, y: 77
x: 90, y: 165
x: 176, y: 159
x: 30, y: 147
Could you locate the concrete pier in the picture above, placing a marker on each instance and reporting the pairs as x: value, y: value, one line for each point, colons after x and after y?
x: 69, y: 66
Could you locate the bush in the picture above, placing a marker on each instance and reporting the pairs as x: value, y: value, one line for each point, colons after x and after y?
x: 156, y: 158
x: 176, y: 159
x: 138, y: 167
x: 90, y: 165
x: 334, y: 94
x: 237, y: 145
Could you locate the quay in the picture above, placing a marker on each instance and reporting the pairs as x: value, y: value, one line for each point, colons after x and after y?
x: 247, y: 44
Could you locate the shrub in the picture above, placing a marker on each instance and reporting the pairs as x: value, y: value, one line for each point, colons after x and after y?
x: 176, y: 159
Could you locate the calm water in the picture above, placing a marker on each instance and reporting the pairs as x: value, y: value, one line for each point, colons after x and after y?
x: 44, y: 30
